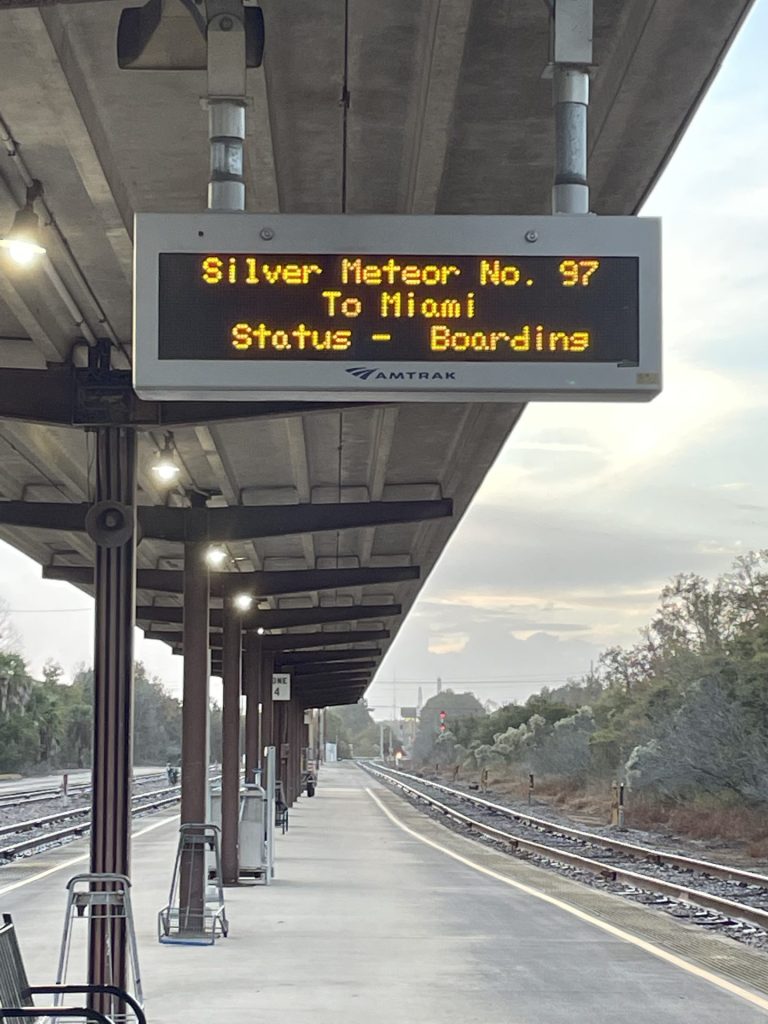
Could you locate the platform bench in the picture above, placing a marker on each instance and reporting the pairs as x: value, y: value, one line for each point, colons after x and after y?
x: 16, y: 1002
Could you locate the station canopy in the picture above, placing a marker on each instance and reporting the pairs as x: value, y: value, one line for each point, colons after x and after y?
x: 424, y: 108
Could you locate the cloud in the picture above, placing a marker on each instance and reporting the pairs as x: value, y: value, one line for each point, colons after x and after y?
x: 444, y: 643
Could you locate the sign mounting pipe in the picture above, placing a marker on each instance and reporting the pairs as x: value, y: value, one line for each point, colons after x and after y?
x: 226, y: 101
x: 572, y: 46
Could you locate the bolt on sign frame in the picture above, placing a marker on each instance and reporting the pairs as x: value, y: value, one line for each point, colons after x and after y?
x: 397, y: 308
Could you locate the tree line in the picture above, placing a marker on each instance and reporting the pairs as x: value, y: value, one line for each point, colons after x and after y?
x: 681, y: 713
x: 47, y: 723
x: 352, y: 728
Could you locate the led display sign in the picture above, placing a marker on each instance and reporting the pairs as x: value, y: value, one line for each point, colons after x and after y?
x: 239, y: 305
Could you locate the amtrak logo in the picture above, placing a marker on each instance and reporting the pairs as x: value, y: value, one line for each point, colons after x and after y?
x: 376, y: 373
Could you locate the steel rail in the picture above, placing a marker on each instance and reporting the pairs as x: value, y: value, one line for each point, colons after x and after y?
x: 141, y: 802
x: 696, y: 897
x: 49, y: 819
x: 72, y: 812
x: 38, y: 797
x: 636, y: 851
x: 33, y: 796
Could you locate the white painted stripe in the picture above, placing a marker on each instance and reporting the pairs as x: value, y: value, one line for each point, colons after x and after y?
x: 77, y: 860
x: 649, y: 947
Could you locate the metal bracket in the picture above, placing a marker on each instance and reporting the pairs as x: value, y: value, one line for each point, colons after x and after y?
x: 102, y: 397
x: 225, y: 38
x: 572, y: 28
x: 165, y: 37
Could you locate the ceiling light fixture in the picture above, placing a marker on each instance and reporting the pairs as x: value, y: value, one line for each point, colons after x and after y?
x: 216, y: 556
x: 22, y: 243
x: 165, y: 468
x: 243, y: 602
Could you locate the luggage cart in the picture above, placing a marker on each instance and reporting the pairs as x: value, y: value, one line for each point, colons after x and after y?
x: 105, y: 898
x: 202, y: 916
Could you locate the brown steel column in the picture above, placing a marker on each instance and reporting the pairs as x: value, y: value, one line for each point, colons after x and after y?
x: 296, y: 748
x: 290, y: 714
x: 230, y: 757
x: 288, y: 732
x: 281, y: 731
x: 306, y: 742
x: 252, y: 688
x: 194, y: 727
x: 268, y: 736
x: 111, y: 773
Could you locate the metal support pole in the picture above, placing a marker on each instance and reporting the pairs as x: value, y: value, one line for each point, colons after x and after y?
x: 115, y: 576
x: 285, y: 739
x: 294, y: 750
x: 230, y: 756
x: 298, y: 757
x: 252, y: 687
x: 620, y: 821
x: 226, y: 103
x: 268, y: 735
x: 311, y: 735
x: 572, y: 46
x: 278, y: 731
x: 289, y: 767
x: 194, y: 727
x: 226, y: 133
x: 570, y: 193
x: 290, y: 714
x: 194, y: 737
x: 291, y: 722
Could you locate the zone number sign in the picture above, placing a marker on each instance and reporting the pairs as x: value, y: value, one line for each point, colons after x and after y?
x: 370, y: 308
x: 281, y: 686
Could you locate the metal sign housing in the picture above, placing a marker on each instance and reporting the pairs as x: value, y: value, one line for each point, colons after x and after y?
x: 370, y: 308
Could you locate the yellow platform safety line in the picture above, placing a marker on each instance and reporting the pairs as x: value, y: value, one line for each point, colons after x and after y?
x: 77, y: 860
x: 649, y: 947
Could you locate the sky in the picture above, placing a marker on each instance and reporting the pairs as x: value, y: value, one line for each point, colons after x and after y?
x: 590, y: 508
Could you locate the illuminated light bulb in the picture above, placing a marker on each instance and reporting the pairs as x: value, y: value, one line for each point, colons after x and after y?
x: 166, y: 470
x: 22, y: 252
x: 216, y: 556
x: 261, y: 631
x: 21, y: 243
x: 243, y: 602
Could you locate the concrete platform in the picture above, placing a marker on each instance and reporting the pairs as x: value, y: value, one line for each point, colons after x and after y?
x: 379, y: 920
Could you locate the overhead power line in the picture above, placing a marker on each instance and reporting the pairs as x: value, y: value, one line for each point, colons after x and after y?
x: 449, y: 684
x: 44, y: 611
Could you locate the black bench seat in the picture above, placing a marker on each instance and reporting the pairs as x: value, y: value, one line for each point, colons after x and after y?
x: 16, y: 994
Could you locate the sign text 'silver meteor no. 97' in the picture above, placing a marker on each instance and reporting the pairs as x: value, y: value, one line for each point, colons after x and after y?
x: 380, y: 307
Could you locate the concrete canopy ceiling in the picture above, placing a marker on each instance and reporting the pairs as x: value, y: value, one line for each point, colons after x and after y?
x: 448, y: 113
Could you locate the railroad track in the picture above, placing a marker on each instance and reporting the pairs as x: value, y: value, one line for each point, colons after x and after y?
x: 42, y: 836
x: 729, y: 891
x: 36, y: 796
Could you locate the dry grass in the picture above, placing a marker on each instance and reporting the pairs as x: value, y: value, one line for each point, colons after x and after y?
x: 709, y: 820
